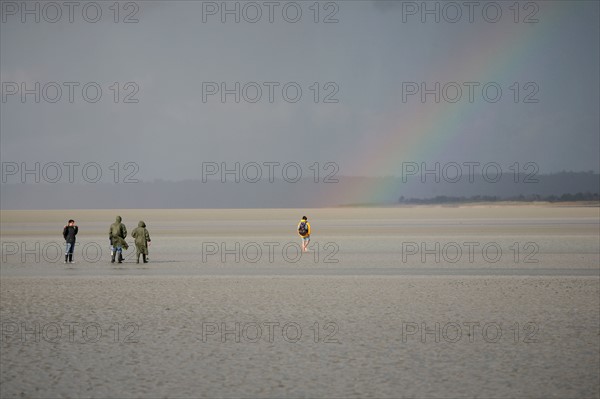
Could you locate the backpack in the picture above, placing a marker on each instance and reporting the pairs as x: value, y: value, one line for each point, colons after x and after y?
x: 303, y: 229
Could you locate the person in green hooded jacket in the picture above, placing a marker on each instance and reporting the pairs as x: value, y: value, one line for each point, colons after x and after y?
x: 142, y: 240
x: 117, y: 234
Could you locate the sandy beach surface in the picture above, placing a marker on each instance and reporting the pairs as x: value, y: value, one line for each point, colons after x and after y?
x: 425, y: 302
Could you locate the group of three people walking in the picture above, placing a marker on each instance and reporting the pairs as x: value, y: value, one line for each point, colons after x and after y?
x: 116, y: 236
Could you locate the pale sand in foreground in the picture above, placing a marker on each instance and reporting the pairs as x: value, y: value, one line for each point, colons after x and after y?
x: 535, y: 337
x: 171, y: 328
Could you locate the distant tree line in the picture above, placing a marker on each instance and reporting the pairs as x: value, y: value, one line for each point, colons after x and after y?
x: 444, y: 199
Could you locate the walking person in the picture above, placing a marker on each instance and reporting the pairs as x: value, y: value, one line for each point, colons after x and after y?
x: 142, y: 240
x: 117, y: 234
x: 304, y: 233
x: 69, y: 233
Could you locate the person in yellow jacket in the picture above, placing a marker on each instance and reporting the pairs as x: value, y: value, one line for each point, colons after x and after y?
x: 304, y: 233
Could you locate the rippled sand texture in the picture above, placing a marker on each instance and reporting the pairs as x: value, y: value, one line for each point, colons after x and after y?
x: 369, y: 325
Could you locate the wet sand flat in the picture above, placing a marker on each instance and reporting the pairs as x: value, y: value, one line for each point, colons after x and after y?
x: 346, y: 241
x: 379, y: 318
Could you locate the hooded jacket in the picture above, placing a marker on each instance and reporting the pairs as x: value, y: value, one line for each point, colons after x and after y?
x: 142, y: 237
x: 117, y: 233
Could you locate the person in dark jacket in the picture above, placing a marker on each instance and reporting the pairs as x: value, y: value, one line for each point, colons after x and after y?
x: 142, y: 240
x: 69, y: 233
x: 117, y: 234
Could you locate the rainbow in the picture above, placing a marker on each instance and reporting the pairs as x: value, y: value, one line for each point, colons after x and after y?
x: 426, y: 129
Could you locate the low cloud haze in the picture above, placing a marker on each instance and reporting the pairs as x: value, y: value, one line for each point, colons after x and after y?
x: 364, y: 85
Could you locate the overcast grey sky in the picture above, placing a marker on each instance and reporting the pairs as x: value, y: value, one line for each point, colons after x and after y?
x: 179, y: 52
